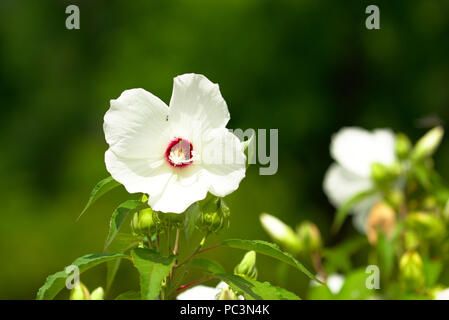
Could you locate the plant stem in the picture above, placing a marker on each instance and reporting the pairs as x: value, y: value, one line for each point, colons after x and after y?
x: 191, y: 284
x: 176, y: 248
x: 318, y: 265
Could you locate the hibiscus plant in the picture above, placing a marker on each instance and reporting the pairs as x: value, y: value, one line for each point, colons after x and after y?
x: 400, y: 207
x: 181, y: 161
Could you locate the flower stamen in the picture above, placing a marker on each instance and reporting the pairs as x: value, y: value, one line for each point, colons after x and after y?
x: 179, y: 153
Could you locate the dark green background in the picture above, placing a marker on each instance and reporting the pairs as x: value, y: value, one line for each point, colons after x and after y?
x: 306, y: 67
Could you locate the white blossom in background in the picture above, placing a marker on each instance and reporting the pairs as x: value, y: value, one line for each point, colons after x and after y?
x: 201, y: 292
x: 442, y: 295
x: 174, y: 154
x: 334, y: 282
x: 354, y: 151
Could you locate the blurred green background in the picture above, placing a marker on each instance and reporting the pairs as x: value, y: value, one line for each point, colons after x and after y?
x: 306, y: 67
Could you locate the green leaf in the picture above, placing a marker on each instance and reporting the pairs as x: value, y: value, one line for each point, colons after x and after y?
x: 99, y: 190
x: 191, y: 217
x: 119, y: 216
x: 338, y: 258
x: 121, y: 243
x: 56, y: 282
x: 207, y: 265
x: 255, y: 290
x: 128, y: 295
x: 320, y: 293
x: 268, y: 249
x: 343, y: 211
x: 153, y: 268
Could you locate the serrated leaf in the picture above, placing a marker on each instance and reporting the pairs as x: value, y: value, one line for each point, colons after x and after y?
x: 256, y: 290
x: 207, y: 265
x: 153, y: 268
x: 99, y: 190
x: 128, y: 295
x: 56, y: 282
x: 119, y: 215
x: 271, y: 250
x: 121, y: 243
x: 343, y: 211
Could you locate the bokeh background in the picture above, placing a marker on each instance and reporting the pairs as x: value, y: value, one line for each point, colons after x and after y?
x: 305, y: 67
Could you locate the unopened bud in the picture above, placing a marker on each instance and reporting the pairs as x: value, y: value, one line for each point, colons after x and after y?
x: 382, y: 218
x: 247, y: 267
x: 145, y: 222
x: 227, y: 294
x: 79, y: 292
x: 428, y: 144
x: 380, y: 172
x: 309, y: 236
x: 411, y: 270
x: 97, y: 294
x: 426, y: 225
x: 403, y: 146
x: 280, y: 233
x: 214, y: 214
x: 411, y: 240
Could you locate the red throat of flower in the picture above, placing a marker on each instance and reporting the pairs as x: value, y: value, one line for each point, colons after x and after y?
x: 179, y: 153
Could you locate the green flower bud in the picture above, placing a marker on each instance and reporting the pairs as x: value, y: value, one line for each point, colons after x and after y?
x: 97, y: 294
x: 428, y: 144
x: 403, y: 146
x: 379, y: 172
x: 214, y: 214
x: 411, y: 270
x: 79, y: 292
x: 145, y: 222
x: 411, y: 240
x: 247, y: 267
x: 309, y: 236
x: 426, y: 225
x: 227, y: 294
x: 280, y: 233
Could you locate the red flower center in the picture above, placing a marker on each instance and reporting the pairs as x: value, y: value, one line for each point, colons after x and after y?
x: 179, y: 153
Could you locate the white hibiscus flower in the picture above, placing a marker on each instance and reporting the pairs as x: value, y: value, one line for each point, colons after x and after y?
x: 200, y: 292
x: 175, y: 154
x: 355, y: 150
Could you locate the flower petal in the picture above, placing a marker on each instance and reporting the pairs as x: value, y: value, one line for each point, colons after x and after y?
x: 356, y: 149
x: 196, y: 102
x: 185, y: 186
x: 223, y: 159
x: 340, y: 185
x: 138, y: 175
x: 199, y: 292
x: 135, y: 125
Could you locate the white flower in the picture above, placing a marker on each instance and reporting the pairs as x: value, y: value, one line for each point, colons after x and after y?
x: 201, y: 292
x: 175, y: 154
x: 355, y: 150
x: 280, y: 232
x: 442, y: 295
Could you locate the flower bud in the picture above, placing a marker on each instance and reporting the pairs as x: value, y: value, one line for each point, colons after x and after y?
x: 227, y: 294
x: 379, y: 172
x: 247, y: 267
x: 79, y: 292
x: 411, y: 270
x: 403, y: 146
x: 309, y: 237
x: 145, y: 222
x: 97, y: 294
x: 428, y: 144
x: 280, y: 233
x: 411, y: 240
x: 381, y: 218
x: 214, y: 214
x: 426, y: 225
